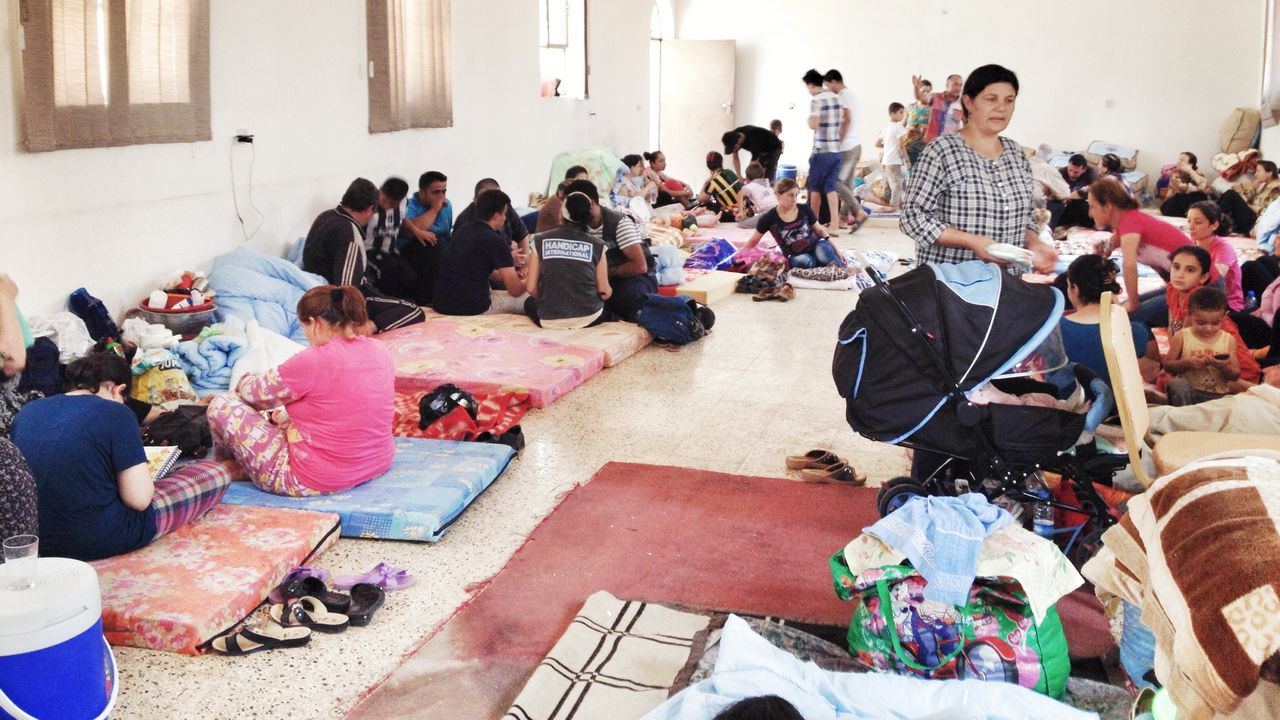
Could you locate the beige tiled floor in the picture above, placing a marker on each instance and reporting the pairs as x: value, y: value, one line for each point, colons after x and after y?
x: 756, y: 389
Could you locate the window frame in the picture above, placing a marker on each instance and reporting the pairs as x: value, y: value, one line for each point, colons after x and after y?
x: 118, y: 122
x: 385, y: 115
x: 544, y: 42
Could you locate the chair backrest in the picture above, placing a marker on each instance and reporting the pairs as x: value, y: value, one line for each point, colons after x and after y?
x: 1126, y: 382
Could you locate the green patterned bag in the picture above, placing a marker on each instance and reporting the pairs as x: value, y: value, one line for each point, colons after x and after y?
x: 994, y: 637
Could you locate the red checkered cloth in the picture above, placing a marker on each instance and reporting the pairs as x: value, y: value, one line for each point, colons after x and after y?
x: 498, y: 412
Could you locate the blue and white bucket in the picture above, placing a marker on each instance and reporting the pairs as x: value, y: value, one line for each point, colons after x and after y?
x: 787, y: 172
x: 54, y: 661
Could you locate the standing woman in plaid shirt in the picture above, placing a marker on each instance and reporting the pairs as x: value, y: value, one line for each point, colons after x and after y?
x: 974, y: 187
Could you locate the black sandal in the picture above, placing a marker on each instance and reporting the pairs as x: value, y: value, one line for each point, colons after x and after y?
x: 265, y: 636
x: 309, y: 612
x: 315, y: 587
x: 365, y: 599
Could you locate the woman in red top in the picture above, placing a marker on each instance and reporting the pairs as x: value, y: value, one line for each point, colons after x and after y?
x: 1141, y: 237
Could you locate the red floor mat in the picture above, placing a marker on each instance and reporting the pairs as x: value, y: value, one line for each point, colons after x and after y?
x: 663, y: 534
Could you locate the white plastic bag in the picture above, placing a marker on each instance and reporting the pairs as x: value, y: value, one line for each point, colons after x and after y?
x: 67, y: 331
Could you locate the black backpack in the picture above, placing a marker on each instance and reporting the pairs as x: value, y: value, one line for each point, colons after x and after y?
x: 678, y: 320
x: 186, y: 427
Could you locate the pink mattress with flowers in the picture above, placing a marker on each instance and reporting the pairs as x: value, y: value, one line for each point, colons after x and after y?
x: 487, y: 360
x: 190, y: 586
x: 617, y: 340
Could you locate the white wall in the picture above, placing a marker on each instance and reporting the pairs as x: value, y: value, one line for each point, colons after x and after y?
x: 1143, y: 73
x: 118, y: 220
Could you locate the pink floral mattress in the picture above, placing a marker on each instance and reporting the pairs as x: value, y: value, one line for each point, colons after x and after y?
x: 188, y: 587
x: 617, y: 340
x: 488, y: 360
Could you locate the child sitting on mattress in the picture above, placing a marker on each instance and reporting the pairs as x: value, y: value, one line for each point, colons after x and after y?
x: 96, y: 496
x: 1202, y: 355
x: 757, y: 196
x: 330, y: 406
x: 1191, y: 268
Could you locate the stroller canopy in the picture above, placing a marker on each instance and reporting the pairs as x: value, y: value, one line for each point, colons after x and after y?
x: 979, y: 321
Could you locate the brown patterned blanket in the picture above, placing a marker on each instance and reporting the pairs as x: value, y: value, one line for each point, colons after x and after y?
x: 1199, y: 552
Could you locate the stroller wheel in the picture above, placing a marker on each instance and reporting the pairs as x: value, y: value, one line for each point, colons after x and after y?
x: 895, y: 493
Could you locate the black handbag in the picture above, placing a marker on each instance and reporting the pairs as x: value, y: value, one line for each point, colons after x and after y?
x: 186, y: 427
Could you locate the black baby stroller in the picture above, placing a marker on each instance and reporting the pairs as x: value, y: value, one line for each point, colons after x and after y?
x: 917, y: 351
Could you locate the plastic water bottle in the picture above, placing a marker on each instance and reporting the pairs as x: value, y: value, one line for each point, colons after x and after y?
x: 1250, y: 301
x: 1042, y: 522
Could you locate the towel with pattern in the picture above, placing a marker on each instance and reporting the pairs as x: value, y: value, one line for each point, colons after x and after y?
x: 1197, y: 552
x: 942, y: 537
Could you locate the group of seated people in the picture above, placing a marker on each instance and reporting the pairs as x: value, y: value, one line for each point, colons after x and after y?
x: 405, y: 255
x: 1180, y: 186
x: 73, y: 469
x: 1218, y: 341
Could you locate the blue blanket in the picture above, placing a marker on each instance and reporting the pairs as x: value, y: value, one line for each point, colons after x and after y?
x: 254, y: 285
x: 748, y: 666
x: 209, y: 362
x: 942, y: 537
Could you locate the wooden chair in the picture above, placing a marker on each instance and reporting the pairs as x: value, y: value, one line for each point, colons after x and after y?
x: 1173, y: 450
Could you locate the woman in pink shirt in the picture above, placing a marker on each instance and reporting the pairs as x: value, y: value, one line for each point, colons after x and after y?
x: 328, y: 409
x: 1141, y: 237
x: 1204, y: 221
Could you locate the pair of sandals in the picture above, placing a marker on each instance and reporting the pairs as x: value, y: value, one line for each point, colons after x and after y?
x: 824, y: 466
x: 306, y: 604
x: 783, y: 293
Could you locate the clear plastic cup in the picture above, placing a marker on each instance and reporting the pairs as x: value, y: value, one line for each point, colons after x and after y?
x: 20, y: 552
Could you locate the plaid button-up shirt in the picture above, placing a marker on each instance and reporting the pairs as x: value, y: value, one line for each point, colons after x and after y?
x: 952, y: 186
x: 830, y: 113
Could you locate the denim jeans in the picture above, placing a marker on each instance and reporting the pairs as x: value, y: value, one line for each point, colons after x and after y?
x: 822, y: 254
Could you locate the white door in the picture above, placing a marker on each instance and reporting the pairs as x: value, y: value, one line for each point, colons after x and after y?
x: 697, y: 104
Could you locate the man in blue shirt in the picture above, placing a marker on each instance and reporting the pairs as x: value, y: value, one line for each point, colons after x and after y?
x: 424, y: 234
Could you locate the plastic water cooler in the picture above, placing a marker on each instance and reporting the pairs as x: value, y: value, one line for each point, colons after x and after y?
x: 54, y: 661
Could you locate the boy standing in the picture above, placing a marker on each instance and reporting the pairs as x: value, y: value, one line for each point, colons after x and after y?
x: 893, y: 140
x: 829, y: 123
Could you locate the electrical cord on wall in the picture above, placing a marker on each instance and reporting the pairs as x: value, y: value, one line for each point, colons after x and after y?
x: 235, y: 201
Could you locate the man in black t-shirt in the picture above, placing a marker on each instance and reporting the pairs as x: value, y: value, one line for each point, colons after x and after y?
x: 765, y: 147
x: 476, y: 254
x: 513, y: 228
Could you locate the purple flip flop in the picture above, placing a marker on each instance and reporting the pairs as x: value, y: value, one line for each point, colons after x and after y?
x: 383, y: 575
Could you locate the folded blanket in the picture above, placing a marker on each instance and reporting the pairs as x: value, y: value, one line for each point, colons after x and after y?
x: 209, y: 362
x: 942, y: 537
x: 254, y: 286
x: 1197, y: 552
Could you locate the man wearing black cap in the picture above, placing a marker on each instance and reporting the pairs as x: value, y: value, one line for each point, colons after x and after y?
x: 765, y: 147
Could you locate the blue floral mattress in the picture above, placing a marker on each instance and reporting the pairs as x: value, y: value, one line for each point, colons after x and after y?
x: 428, y: 486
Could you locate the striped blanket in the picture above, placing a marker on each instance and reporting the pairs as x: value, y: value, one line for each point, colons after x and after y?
x: 1199, y: 552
